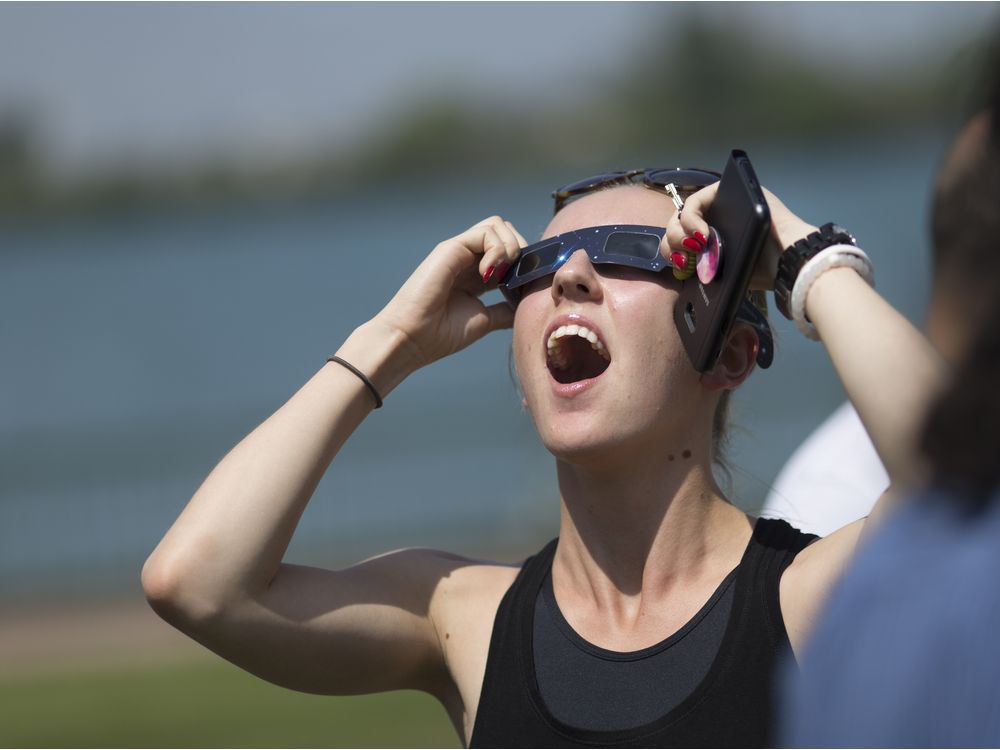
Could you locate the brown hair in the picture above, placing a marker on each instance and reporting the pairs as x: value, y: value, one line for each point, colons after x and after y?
x: 720, y: 420
x: 963, y: 426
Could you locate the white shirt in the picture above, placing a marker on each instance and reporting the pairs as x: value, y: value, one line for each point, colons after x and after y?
x: 833, y: 478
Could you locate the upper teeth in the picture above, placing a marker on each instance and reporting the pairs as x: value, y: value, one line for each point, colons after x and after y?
x: 575, y: 330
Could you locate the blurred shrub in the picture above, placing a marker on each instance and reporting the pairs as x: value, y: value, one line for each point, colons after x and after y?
x: 713, y: 82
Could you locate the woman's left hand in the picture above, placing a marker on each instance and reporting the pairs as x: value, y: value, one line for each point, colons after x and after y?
x: 690, y: 223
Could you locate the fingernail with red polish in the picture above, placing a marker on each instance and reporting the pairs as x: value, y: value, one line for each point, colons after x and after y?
x: 692, y: 244
x: 701, y: 238
x: 502, y: 271
x: 678, y: 259
x: 488, y: 275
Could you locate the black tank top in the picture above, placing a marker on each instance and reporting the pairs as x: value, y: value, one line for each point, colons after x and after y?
x: 730, y: 707
x: 636, y: 686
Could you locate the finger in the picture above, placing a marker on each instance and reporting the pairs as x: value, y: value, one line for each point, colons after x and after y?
x: 687, y: 230
x: 521, y: 244
x: 677, y: 243
x: 497, y: 259
x: 500, y: 315
x: 491, y: 318
x: 458, y: 258
x: 673, y: 238
x: 511, y: 237
x: 693, y: 216
x: 494, y: 253
x: 489, y: 244
x: 520, y: 239
x: 510, y: 242
x: 513, y: 243
x: 474, y: 238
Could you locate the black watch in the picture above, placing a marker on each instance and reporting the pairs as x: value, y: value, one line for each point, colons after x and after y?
x: 798, y: 255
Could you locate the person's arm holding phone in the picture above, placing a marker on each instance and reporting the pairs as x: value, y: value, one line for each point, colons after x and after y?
x: 889, y: 371
x: 887, y: 366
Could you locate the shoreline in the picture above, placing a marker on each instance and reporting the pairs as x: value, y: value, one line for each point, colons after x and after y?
x: 46, y: 638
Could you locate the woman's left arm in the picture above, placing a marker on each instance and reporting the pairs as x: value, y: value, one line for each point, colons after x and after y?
x: 891, y: 374
x: 889, y: 369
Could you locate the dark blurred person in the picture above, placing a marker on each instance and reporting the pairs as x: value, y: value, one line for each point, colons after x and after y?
x: 906, y: 653
x: 813, y: 491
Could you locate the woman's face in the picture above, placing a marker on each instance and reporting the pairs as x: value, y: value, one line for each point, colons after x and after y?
x: 642, y: 390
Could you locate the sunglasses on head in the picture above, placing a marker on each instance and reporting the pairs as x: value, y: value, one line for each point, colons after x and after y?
x: 686, y: 180
x: 632, y: 245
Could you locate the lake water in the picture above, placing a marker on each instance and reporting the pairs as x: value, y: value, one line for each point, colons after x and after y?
x: 135, y: 353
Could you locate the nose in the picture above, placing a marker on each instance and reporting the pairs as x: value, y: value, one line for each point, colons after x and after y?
x: 576, y: 279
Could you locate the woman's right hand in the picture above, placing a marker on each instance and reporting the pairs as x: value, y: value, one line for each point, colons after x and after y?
x: 438, y: 310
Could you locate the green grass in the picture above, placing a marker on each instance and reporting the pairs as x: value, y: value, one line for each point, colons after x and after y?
x: 207, y: 705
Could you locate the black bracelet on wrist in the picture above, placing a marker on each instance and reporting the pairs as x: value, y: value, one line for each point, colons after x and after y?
x: 795, y: 257
x: 364, y: 378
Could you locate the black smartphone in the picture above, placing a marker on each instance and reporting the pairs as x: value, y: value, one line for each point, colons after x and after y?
x: 740, y: 222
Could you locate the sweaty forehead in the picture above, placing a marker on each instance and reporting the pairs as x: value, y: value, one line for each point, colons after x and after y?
x: 627, y: 204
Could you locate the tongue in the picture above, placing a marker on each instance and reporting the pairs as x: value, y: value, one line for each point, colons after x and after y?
x: 582, y: 361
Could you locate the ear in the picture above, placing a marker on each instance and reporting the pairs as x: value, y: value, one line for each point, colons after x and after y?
x: 736, y: 362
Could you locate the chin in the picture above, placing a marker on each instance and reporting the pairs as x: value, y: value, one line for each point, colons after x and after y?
x: 588, y: 440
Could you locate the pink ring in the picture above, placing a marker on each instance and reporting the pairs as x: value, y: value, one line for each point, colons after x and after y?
x: 710, y: 260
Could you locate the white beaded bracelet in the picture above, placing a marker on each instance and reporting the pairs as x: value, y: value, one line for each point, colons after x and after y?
x: 835, y: 256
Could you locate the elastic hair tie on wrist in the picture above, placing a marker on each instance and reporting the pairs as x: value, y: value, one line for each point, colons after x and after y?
x: 364, y: 378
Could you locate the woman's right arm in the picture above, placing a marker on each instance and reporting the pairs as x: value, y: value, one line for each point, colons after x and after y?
x: 218, y: 573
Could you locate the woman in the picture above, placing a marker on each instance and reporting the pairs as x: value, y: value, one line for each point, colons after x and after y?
x: 653, y: 570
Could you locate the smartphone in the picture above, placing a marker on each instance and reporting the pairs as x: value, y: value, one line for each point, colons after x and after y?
x: 741, y: 220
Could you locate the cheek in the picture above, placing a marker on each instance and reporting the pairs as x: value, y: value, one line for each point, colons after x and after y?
x: 528, y: 322
x: 658, y: 350
x: 648, y: 311
x: 523, y: 351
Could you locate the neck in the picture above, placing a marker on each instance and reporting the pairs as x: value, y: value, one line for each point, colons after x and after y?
x: 646, y: 528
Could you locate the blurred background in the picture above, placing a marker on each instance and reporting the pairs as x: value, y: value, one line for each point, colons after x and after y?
x: 199, y: 202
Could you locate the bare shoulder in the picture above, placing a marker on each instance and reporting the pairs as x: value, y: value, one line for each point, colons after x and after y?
x: 806, y: 583
x: 465, y: 605
x: 463, y: 609
x: 451, y: 573
x: 467, y: 584
x: 458, y: 593
x: 466, y: 590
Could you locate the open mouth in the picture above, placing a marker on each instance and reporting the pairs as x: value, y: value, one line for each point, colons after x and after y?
x: 575, y: 353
